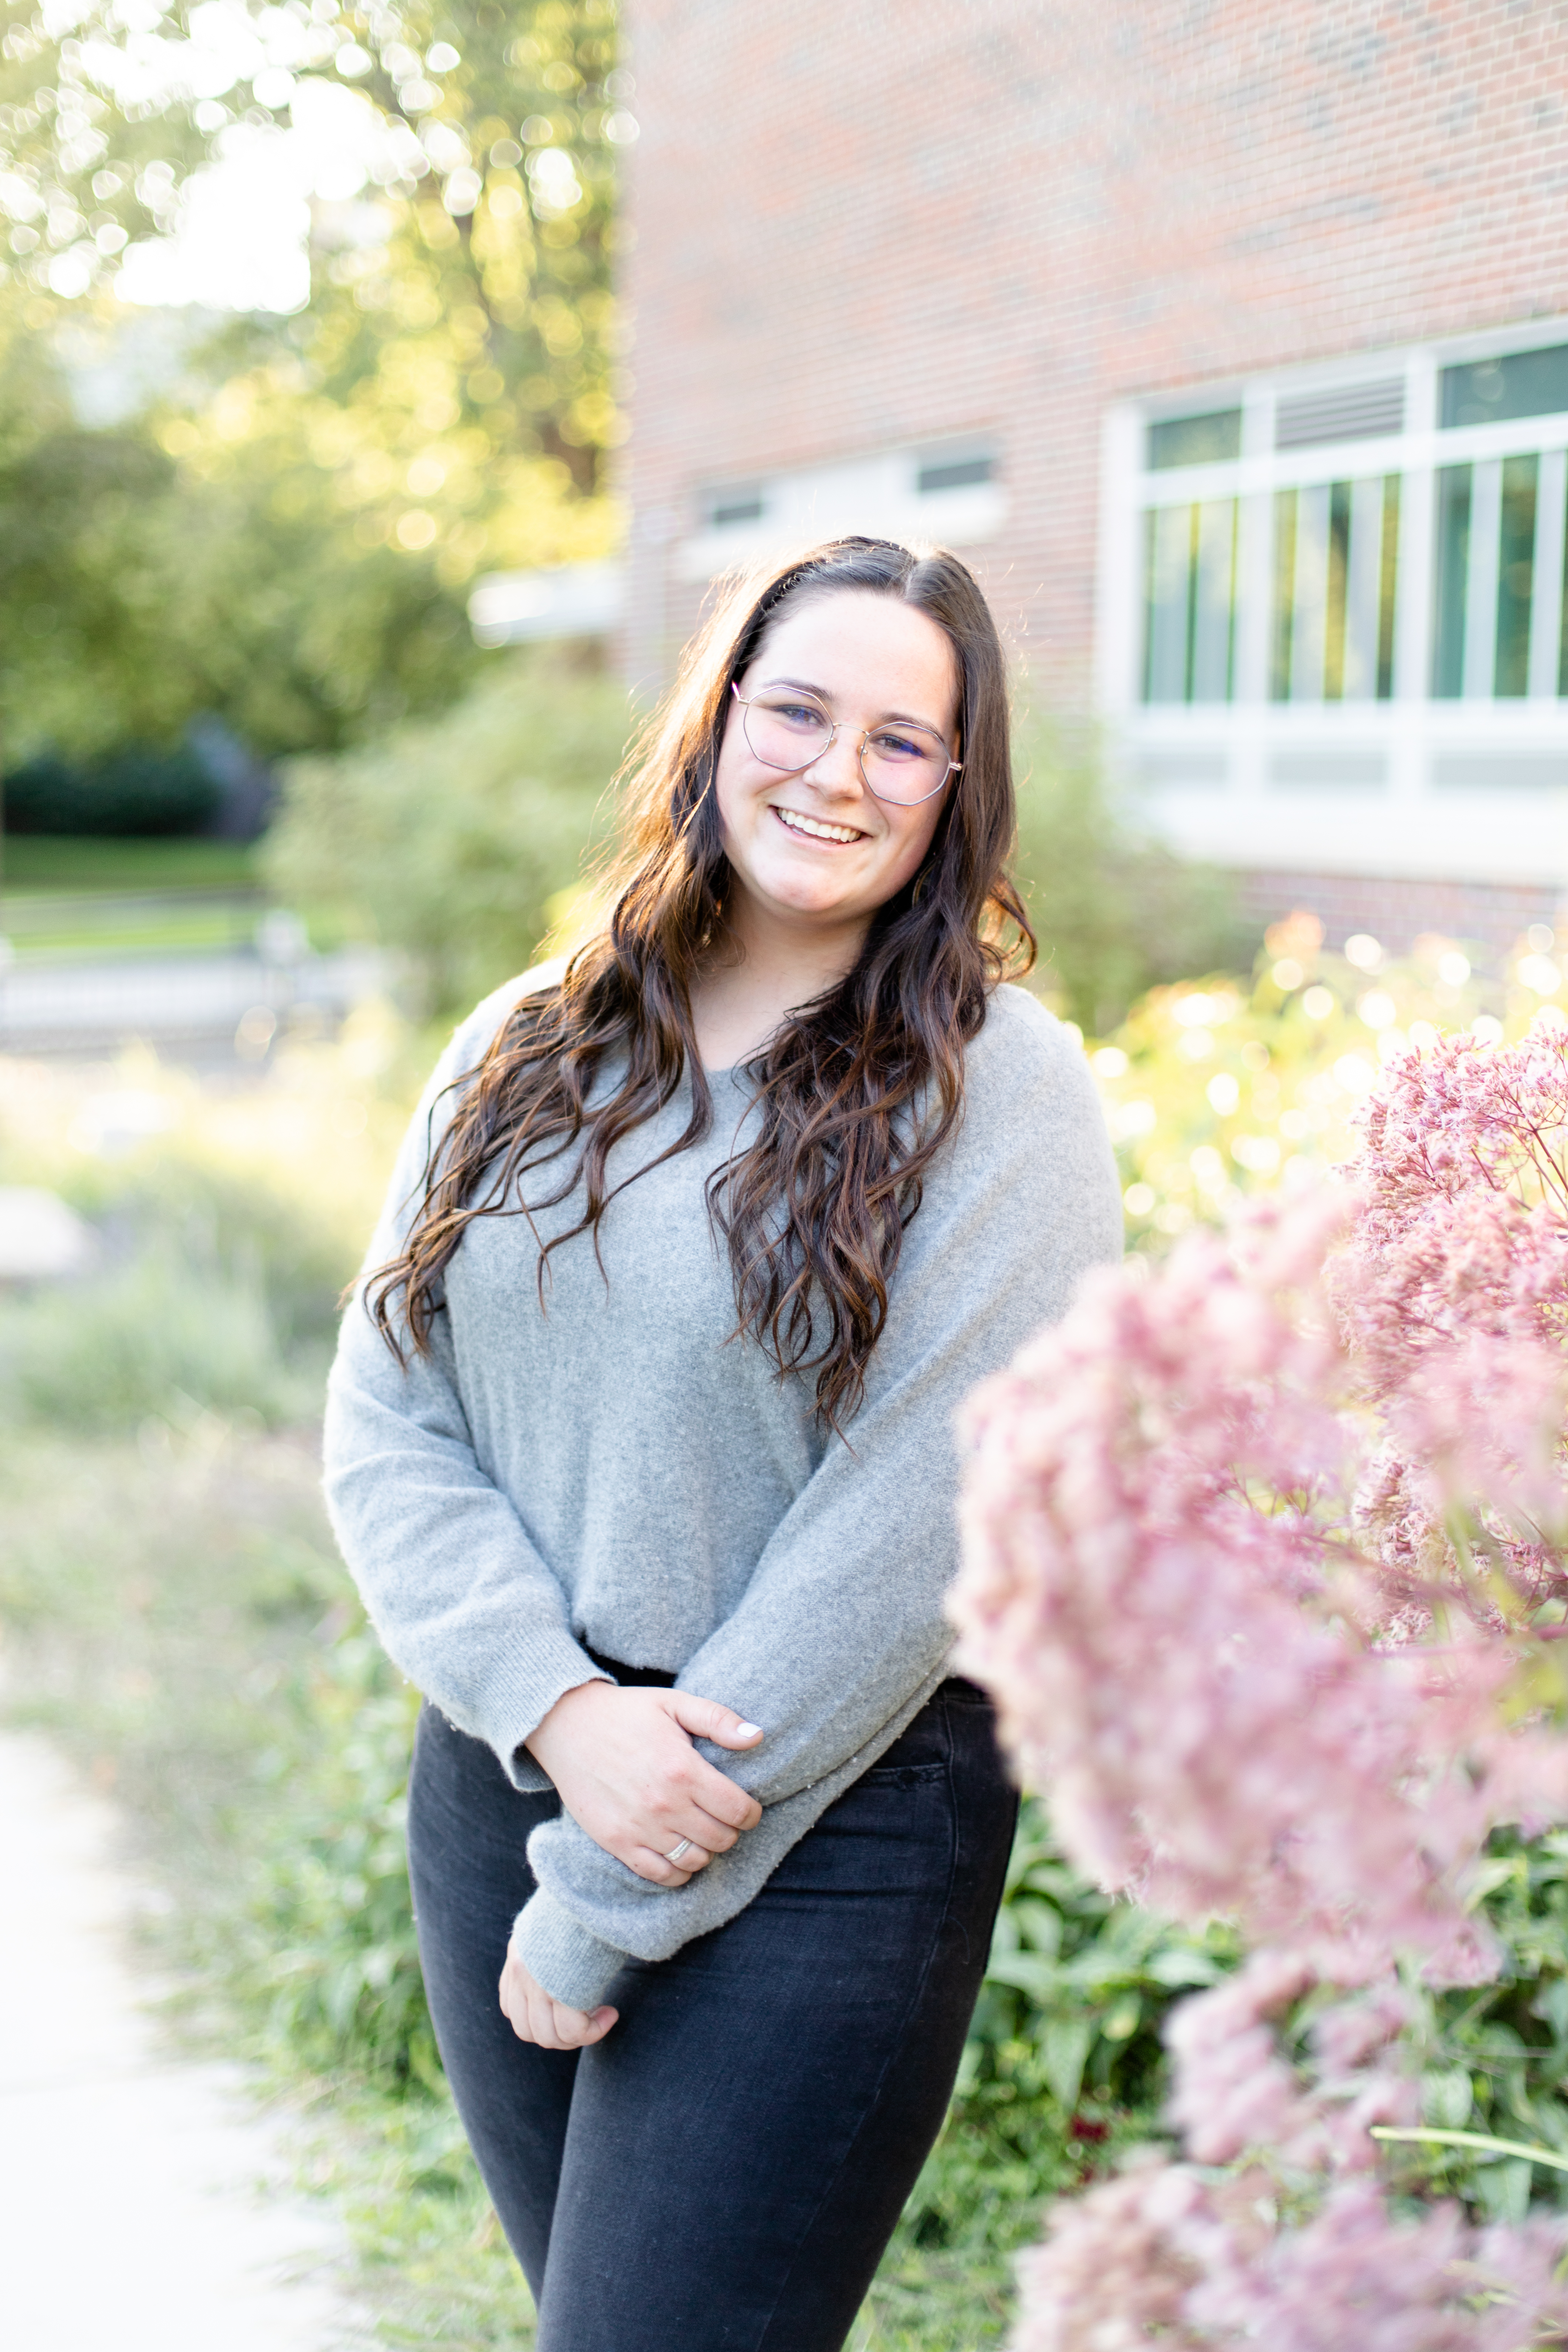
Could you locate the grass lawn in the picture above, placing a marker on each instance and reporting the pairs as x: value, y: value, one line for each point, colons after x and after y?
x: 76, y: 862
x: 100, y: 923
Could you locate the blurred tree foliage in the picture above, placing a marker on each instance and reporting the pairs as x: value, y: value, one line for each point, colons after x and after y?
x: 135, y: 594
x: 287, y: 535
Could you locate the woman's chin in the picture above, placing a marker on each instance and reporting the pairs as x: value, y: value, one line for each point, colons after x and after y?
x: 812, y: 899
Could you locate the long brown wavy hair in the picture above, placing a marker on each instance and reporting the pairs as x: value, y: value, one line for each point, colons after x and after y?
x: 857, y: 1091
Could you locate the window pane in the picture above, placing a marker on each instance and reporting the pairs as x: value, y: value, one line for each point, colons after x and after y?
x: 1516, y: 572
x: 1309, y: 593
x: 1214, y: 602
x: 1284, y: 598
x: 954, y: 474
x: 1453, y: 567
x: 1525, y: 383
x: 735, y: 507
x: 1168, y: 573
x: 1189, y: 610
x: 1336, y: 554
x: 1335, y: 583
x: 1388, y: 582
x: 1195, y: 440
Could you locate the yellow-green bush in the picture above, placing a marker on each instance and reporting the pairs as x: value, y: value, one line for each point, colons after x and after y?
x: 1222, y: 1087
x: 446, y: 840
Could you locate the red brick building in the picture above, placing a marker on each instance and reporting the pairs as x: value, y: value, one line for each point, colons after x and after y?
x: 1228, y: 338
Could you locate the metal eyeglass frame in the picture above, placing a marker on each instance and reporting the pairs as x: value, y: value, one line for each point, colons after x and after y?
x: 952, y: 768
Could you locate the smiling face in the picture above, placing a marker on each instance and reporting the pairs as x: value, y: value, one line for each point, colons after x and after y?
x: 813, y: 850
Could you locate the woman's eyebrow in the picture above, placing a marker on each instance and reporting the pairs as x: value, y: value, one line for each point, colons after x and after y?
x: 904, y: 718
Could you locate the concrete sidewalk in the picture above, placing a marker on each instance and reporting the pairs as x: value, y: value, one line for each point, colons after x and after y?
x: 142, y: 2205
x: 52, y: 1004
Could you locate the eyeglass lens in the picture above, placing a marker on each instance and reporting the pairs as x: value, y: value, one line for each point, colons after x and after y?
x: 899, y: 763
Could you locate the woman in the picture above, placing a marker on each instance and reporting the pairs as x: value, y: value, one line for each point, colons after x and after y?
x: 644, y: 1459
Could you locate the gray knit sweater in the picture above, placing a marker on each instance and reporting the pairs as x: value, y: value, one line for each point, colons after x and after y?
x: 617, y: 1470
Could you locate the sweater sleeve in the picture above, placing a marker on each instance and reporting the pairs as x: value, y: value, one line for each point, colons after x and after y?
x: 459, y: 1596
x: 840, y: 1637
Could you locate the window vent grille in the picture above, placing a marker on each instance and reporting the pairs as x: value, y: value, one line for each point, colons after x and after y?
x: 1357, y: 412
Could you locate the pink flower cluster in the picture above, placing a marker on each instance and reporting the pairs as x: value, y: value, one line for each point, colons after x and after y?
x: 1196, y: 2264
x: 1265, y: 1567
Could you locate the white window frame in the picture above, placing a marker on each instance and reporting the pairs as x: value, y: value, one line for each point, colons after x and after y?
x: 1377, y: 784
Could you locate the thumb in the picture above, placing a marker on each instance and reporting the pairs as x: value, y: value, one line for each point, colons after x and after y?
x: 706, y: 1719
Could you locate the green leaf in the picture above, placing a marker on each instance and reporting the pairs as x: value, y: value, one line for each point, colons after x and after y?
x: 1064, y: 2046
x: 1447, y: 2096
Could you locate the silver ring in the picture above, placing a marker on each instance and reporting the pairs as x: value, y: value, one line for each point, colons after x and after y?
x: 675, y: 1852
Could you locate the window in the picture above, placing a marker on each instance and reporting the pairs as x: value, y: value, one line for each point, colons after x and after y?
x: 1190, y: 631
x: 1194, y: 440
x: 954, y: 474
x: 1275, y: 529
x: 1519, y: 383
x: 1336, y: 555
x: 1500, y: 586
x: 728, y: 508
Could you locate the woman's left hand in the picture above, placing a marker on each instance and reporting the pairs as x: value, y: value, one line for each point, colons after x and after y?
x: 536, y: 2016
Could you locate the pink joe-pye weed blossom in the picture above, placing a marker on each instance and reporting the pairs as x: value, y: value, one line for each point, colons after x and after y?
x: 1161, y: 1592
x: 1265, y: 1567
x: 1169, y: 2256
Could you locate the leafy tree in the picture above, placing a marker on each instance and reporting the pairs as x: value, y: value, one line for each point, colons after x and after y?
x: 135, y: 593
x: 288, y: 537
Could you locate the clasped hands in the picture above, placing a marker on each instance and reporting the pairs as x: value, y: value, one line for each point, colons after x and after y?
x: 626, y: 1769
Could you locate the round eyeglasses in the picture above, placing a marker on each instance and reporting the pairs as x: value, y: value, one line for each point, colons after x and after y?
x: 901, y: 764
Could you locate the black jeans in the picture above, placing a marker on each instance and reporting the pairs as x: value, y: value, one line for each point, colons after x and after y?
x: 722, y: 2171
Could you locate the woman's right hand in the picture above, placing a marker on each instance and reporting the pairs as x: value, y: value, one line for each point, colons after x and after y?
x: 628, y: 1774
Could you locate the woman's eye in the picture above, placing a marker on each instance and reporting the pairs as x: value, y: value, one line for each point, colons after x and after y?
x: 802, y: 714
x: 890, y: 746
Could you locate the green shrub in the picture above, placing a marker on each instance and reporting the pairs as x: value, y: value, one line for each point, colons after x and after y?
x: 1065, y: 2068
x: 1115, y: 911
x: 106, y: 1351
x: 209, y: 1292
x: 448, y: 838
x: 138, y: 789
x: 329, y: 1963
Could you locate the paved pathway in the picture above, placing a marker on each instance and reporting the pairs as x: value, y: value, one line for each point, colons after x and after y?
x: 52, y: 1002
x: 131, y: 2212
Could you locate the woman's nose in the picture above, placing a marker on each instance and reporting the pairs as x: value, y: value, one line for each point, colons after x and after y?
x: 836, y: 767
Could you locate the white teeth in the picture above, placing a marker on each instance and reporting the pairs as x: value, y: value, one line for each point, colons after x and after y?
x: 814, y: 826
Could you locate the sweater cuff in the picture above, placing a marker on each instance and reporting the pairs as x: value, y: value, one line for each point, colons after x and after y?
x: 514, y: 1709
x: 572, y: 1965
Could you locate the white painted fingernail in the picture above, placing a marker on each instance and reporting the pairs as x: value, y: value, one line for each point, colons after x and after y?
x: 750, y: 1731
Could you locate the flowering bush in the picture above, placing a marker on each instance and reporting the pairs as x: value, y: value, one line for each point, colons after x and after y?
x: 1218, y: 1088
x: 1266, y: 1566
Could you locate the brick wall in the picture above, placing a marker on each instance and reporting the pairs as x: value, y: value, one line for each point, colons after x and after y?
x: 857, y: 225
x: 1490, y: 915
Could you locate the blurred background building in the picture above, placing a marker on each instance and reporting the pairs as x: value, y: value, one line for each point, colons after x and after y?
x: 1228, y: 341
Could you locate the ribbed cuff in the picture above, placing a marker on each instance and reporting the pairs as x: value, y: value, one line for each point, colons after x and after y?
x: 572, y: 1965
x: 514, y: 1708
